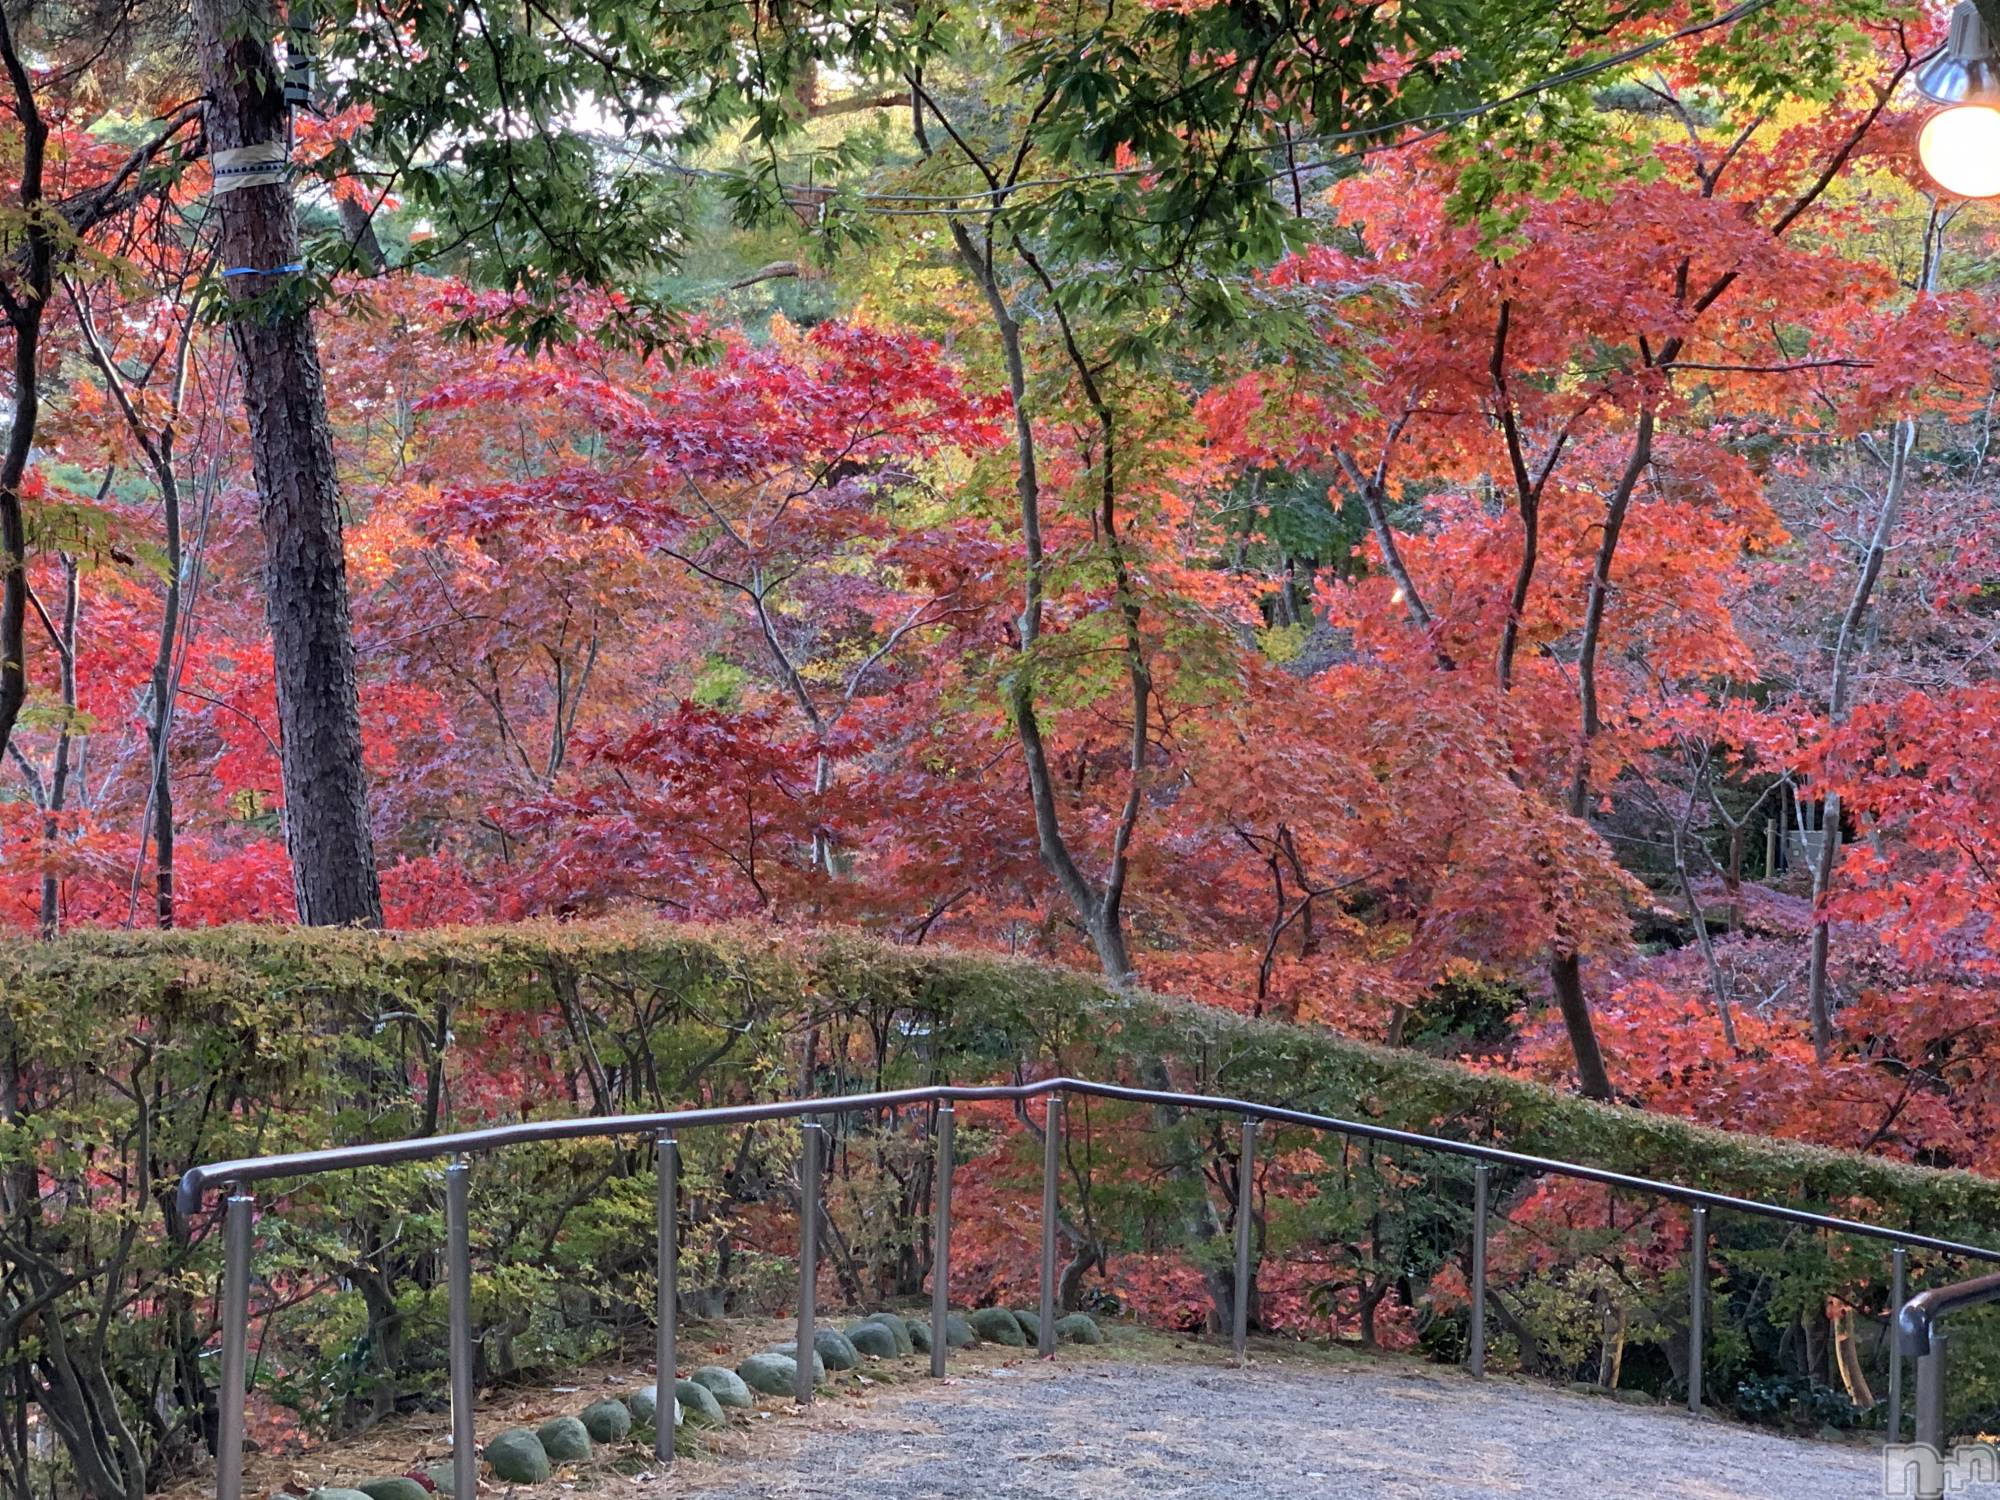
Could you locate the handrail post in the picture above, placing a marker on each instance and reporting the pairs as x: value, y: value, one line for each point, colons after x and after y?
x: 235, y: 1342
x: 1475, y: 1358
x: 1246, y: 1207
x: 1930, y: 1401
x: 1899, y: 1275
x: 458, y: 1291
x: 1045, y: 1336
x: 1697, y: 1304
x: 811, y: 1134
x: 941, y: 1255
x: 666, y: 1337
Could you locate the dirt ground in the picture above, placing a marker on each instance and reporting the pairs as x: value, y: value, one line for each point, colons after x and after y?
x: 1104, y: 1429
x: 1145, y: 1416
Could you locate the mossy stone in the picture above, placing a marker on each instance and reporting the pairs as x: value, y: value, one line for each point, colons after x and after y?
x: 920, y: 1334
x: 873, y: 1338
x: 1079, y: 1328
x: 725, y: 1385
x: 835, y: 1349
x: 1031, y: 1324
x: 335, y: 1492
x: 770, y: 1373
x: 958, y: 1332
x: 393, y: 1487
x: 443, y: 1476
x: 518, y: 1457
x: 699, y: 1402
x: 790, y: 1349
x: 996, y: 1325
x: 898, y: 1328
x: 607, y: 1421
x: 565, y: 1440
x: 644, y: 1404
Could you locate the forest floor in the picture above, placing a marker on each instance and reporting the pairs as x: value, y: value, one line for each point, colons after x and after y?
x: 1147, y: 1415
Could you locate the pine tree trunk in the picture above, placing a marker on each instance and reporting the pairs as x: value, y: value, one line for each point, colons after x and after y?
x: 326, y: 801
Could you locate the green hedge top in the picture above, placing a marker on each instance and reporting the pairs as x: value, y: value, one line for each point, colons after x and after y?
x: 265, y: 1002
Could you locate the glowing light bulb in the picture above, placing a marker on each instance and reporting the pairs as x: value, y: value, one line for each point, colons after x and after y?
x: 1960, y: 148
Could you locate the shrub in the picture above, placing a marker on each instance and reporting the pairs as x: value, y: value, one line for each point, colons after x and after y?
x: 132, y: 1056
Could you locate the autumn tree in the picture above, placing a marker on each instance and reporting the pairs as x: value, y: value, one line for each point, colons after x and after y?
x: 67, y: 189
x: 1331, y: 539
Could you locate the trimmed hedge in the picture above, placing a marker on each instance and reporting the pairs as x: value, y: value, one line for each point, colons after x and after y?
x: 208, y: 1044
x: 247, y: 990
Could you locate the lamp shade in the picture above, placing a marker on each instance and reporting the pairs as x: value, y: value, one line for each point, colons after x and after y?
x: 1967, y: 71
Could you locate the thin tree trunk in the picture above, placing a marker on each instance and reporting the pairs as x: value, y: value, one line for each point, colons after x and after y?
x: 159, y: 724
x: 1819, y: 1003
x: 358, y: 224
x: 325, y: 783
x: 1373, y: 491
x: 1527, y: 496
x: 1818, y: 996
x: 1698, y: 919
x: 158, y: 448
x: 1102, y: 922
x: 158, y: 728
x: 1566, y: 967
x: 24, y: 305
x: 1109, y: 915
x: 1098, y: 906
x: 59, y: 773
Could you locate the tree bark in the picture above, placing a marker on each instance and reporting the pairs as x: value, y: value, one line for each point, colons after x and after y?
x: 1566, y: 966
x: 159, y: 726
x: 59, y: 774
x: 24, y: 297
x: 325, y: 784
x: 358, y: 224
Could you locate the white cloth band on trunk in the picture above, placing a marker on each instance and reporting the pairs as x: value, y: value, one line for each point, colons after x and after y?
x: 250, y: 166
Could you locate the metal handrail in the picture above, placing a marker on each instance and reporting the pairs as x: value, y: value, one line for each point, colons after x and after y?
x: 1916, y: 1320
x: 198, y: 1181
x: 1920, y: 1334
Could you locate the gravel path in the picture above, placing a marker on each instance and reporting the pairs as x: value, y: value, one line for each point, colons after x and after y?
x: 1108, y: 1429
